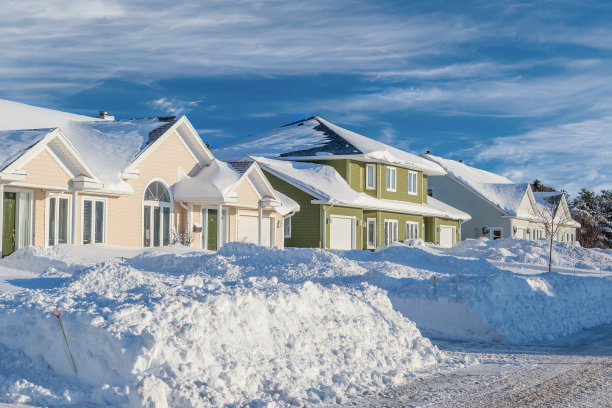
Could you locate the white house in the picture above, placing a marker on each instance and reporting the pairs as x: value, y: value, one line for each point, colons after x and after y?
x: 500, y: 208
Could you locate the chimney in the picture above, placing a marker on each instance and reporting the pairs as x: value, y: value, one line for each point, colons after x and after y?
x: 104, y: 115
x: 427, y: 152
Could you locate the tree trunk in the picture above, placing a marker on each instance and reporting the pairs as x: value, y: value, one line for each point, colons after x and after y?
x: 550, y: 255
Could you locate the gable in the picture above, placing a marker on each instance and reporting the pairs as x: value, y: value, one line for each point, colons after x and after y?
x: 45, y: 169
x: 165, y: 160
x: 246, y: 193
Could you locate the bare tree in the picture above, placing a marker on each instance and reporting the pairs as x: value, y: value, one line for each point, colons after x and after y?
x: 547, y: 213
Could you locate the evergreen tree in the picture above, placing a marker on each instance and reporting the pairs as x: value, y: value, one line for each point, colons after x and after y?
x: 605, y: 212
x: 538, y: 186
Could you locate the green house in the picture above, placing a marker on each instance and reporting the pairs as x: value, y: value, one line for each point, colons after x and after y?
x: 354, y: 192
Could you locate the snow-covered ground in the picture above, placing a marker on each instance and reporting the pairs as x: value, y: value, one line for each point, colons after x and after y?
x: 259, y: 326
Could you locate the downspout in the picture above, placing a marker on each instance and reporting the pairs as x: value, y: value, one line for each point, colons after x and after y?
x: 325, y: 224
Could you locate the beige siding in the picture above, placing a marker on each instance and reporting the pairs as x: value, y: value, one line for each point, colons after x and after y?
x: 44, y: 170
x: 39, y: 217
x: 247, y: 194
x: 126, y: 213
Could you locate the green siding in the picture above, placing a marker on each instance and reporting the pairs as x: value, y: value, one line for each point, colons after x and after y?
x: 357, y: 175
x: 424, y: 188
x: 306, y: 223
x: 401, y: 193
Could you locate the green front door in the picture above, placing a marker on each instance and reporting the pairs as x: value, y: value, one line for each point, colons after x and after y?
x: 211, y: 219
x: 8, y: 226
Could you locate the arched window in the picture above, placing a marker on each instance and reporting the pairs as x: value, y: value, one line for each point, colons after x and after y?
x: 157, y: 209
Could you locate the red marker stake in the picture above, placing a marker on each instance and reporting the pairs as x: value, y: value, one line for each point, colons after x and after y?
x: 57, y: 314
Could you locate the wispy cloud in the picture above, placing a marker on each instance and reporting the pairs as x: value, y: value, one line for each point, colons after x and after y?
x: 569, y: 156
x: 173, y: 106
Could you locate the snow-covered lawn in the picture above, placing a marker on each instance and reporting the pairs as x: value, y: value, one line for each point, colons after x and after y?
x: 260, y: 326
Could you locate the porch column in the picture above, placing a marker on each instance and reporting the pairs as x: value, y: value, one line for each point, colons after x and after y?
x: 75, y: 197
x: 259, y: 239
x: 1, y: 216
x: 219, y: 226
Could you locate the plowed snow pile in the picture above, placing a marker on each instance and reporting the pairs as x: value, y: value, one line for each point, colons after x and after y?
x: 178, y: 338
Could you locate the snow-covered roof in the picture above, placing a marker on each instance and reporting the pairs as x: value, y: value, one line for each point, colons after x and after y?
x: 14, y: 143
x: 454, y: 213
x: 15, y: 115
x: 327, y: 186
x: 110, y: 146
x: 316, y: 138
x: 214, y: 182
x: 288, y: 205
x: 551, y: 201
x: 500, y: 191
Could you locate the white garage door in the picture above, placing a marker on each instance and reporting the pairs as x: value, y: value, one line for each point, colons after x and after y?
x: 341, y: 232
x: 447, y: 236
x: 248, y: 230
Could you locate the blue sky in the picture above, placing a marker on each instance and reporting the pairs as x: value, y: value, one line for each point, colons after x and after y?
x: 520, y: 88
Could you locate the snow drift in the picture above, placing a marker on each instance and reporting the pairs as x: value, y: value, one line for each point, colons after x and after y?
x: 144, y: 338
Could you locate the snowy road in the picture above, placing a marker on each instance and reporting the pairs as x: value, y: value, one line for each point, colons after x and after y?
x: 574, y: 372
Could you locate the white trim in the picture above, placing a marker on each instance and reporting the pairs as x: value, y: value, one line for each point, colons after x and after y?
x: 368, y: 246
x: 373, y: 166
x: 416, y: 186
x: 391, y: 169
x: 151, y: 148
x: 287, y: 221
x: 169, y: 205
x: 394, y: 222
x: 204, y: 222
x: 48, y: 197
x: 30, y: 232
x: 417, y: 228
x: 59, y: 161
x: 93, y: 199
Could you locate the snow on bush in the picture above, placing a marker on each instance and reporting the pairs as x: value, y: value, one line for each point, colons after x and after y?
x: 145, y: 338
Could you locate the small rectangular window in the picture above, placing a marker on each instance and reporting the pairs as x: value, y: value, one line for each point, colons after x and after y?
x: 93, y: 221
x: 288, y: 227
x: 371, y: 233
x: 412, y: 182
x: 59, y: 221
x: 87, y: 221
x: 99, y: 222
x: 370, y: 176
x: 412, y: 230
x: 391, y: 176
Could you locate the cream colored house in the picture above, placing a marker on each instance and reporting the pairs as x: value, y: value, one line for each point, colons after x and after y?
x: 499, y: 207
x: 138, y: 183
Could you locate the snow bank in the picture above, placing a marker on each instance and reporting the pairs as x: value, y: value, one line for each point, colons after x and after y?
x: 200, y: 338
x: 534, y: 252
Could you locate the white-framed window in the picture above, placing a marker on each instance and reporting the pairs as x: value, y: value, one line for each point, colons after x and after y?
x: 496, y: 233
x: 391, y: 178
x: 157, y: 210
x: 371, y: 233
x: 93, y: 220
x: 413, y: 178
x: 370, y: 176
x: 412, y: 230
x: 287, y: 227
x: 391, y: 228
x: 59, y: 219
x: 538, y: 233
